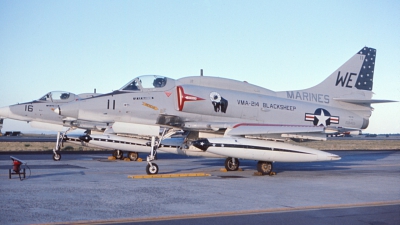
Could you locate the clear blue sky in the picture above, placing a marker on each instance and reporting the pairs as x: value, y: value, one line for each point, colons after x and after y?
x: 77, y: 46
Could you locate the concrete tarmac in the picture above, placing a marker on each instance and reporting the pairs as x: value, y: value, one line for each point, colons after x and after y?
x: 87, y: 188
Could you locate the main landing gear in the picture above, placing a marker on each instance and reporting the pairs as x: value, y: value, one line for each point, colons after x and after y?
x: 133, y: 156
x: 265, y: 168
x: 232, y: 164
x: 118, y: 154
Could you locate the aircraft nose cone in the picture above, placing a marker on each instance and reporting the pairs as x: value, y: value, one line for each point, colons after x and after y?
x: 4, y: 112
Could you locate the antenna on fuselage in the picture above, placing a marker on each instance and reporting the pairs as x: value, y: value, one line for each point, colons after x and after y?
x: 201, y: 72
x: 95, y: 90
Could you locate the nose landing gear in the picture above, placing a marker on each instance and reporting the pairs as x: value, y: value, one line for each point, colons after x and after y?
x: 57, y: 149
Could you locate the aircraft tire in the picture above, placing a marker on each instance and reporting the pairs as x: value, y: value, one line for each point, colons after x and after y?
x: 56, y: 157
x: 152, y: 170
x: 133, y: 156
x: 265, y: 168
x: 229, y: 164
x: 118, y: 154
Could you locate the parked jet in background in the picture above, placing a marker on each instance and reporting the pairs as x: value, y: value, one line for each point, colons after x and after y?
x: 39, y: 113
x: 234, y: 119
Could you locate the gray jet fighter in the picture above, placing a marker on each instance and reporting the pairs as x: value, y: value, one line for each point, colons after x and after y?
x: 40, y: 115
x: 234, y: 119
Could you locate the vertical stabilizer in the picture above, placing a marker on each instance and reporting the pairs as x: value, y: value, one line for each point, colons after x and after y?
x: 352, y: 80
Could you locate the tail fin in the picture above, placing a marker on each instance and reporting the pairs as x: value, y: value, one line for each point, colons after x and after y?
x: 350, y: 83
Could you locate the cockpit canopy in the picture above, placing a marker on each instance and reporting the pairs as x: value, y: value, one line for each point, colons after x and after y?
x: 145, y: 82
x: 58, y: 96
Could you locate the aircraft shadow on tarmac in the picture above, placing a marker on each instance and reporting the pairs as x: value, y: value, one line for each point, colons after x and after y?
x: 358, y: 156
x: 349, y: 158
x: 50, y: 167
x: 57, y: 174
x: 32, y: 169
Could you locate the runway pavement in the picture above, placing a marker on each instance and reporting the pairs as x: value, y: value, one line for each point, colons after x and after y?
x: 362, y: 188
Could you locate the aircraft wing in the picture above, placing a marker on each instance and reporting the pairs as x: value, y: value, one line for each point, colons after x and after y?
x: 262, y: 129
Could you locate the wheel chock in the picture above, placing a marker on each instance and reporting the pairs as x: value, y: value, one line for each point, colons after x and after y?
x: 260, y: 174
x: 111, y: 158
x: 139, y: 160
x: 240, y: 169
x: 127, y: 159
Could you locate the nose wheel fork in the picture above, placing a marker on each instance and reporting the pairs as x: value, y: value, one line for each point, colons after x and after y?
x: 152, y: 168
x: 56, y: 155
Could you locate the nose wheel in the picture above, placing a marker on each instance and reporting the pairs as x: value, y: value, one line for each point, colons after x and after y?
x: 60, y: 139
x: 152, y: 169
x: 56, y: 156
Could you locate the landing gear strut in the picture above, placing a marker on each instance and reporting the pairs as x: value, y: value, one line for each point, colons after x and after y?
x: 265, y: 168
x: 232, y: 164
x: 56, y: 150
x: 152, y: 168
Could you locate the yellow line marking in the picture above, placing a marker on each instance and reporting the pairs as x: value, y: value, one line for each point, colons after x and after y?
x: 232, y: 213
x: 169, y: 175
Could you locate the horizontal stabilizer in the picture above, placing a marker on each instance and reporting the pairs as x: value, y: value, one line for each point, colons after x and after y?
x: 363, y: 101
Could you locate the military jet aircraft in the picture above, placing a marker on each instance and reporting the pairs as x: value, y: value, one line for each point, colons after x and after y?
x: 234, y: 119
x: 40, y: 115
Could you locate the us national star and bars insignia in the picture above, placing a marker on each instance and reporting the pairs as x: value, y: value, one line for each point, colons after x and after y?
x: 322, y: 117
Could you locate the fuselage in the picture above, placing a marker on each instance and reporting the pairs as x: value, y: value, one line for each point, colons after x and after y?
x: 40, y: 112
x: 208, y: 100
